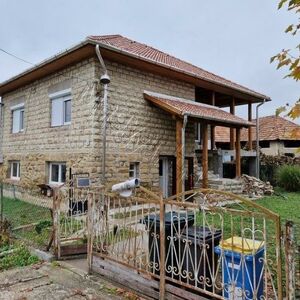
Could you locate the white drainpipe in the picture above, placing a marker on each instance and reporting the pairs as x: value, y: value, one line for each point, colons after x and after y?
x: 105, y: 80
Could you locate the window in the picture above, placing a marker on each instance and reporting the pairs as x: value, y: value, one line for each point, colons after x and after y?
x: 57, y: 173
x: 264, y: 144
x: 291, y: 143
x: 198, y: 133
x: 15, y: 170
x: 61, y: 107
x: 17, y: 118
x: 134, y: 170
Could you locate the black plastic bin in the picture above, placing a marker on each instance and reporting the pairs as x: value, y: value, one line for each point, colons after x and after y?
x: 194, y: 259
x: 180, y: 222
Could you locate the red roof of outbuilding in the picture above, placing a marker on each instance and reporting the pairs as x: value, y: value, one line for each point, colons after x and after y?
x: 148, y: 53
x: 181, y: 107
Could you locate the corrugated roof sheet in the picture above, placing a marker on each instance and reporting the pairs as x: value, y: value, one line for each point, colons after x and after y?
x: 180, y: 106
x: 151, y: 54
x: 271, y: 128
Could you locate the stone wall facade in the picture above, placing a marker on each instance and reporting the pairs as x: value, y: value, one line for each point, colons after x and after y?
x: 137, y: 131
x: 40, y: 143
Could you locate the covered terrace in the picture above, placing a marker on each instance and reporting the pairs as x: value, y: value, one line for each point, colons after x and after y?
x: 184, y: 110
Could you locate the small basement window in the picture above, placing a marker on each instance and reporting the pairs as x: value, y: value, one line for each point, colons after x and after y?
x: 57, y: 172
x: 15, y: 170
x: 17, y: 118
x: 134, y: 170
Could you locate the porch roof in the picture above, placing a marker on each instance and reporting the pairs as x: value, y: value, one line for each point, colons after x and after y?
x: 180, y: 107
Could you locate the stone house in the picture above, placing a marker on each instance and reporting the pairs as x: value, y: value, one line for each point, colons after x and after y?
x: 161, y: 117
x: 277, y: 136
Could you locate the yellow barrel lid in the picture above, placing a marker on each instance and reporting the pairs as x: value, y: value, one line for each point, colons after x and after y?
x: 241, y: 245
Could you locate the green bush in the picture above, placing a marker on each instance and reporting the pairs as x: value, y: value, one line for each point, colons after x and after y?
x: 288, y: 177
x: 19, y: 258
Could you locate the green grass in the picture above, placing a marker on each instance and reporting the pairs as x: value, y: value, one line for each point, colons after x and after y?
x: 22, y: 213
x: 288, y: 206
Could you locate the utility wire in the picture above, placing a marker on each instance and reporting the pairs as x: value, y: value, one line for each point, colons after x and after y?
x: 21, y: 59
x: 32, y: 64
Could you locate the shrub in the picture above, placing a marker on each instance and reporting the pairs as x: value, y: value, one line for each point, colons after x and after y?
x: 288, y: 177
x: 20, y: 257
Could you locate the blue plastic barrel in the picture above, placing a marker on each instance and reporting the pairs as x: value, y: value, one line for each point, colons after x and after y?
x: 243, y: 274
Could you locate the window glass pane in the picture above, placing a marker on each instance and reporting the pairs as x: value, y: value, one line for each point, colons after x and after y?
x: 15, y: 169
x: 57, y: 112
x: 63, y: 173
x: 67, y: 110
x: 21, y: 120
x: 55, y: 172
x: 16, y: 121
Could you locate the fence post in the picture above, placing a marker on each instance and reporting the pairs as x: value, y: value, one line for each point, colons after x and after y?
x: 162, y: 282
x: 56, y: 208
x: 90, y: 227
x: 290, y: 260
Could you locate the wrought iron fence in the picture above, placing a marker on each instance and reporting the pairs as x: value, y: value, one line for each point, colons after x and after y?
x: 210, y: 243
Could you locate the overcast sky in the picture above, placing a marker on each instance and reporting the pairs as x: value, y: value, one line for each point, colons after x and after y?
x: 232, y: 38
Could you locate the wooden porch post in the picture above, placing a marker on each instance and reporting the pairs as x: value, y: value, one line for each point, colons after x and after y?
x: 205, y: 156
x: 238, y: 153
x: 179, y: 125
x: 232, y: 111
x: 212, y: 127
x: 250, y: 129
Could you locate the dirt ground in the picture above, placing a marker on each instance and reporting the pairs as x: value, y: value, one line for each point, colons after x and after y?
x: 47, y: 281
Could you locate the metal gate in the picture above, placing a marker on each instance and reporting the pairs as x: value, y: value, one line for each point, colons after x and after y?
x: 165, y: 248
x: 70, y: 207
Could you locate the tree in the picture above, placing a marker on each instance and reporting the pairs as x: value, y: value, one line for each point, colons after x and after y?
x: 290, y: 59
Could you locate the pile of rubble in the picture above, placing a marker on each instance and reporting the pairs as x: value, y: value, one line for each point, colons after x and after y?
x: 255, y: 187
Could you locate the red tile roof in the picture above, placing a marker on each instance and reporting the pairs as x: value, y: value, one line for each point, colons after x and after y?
x: 180, y: 106
x: 271, y: 128
x: 142, y: 51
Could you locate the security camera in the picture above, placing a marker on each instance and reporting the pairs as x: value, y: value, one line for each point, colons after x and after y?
x: 125, y: 188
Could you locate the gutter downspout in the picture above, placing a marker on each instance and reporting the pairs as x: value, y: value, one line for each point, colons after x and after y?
x: 257, y: 140
x: 185, y: 119
x: 105, y: 80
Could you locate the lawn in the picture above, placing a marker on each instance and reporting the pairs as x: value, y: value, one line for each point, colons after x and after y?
x: 20, y: 213
x: 287, y: 206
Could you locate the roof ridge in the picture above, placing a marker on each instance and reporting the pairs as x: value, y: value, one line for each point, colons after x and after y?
x: 105, y: 36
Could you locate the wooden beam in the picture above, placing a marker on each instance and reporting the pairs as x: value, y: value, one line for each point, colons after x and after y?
x: 238, y: 153
x: 212, y: 128
x: 250, y: 128
x: 205, y: 156
x: 179, y: 125
x: 232, y: 111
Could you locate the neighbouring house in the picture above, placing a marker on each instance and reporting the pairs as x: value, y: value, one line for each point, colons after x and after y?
x: 161, y: 119
x: 277, y: 136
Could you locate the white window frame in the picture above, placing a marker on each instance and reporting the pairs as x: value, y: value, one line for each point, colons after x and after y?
x: 59, y: 182
x: 19, y: 109
x: 61, y: 97
x: 12, y: 170
x: 134, y: 168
